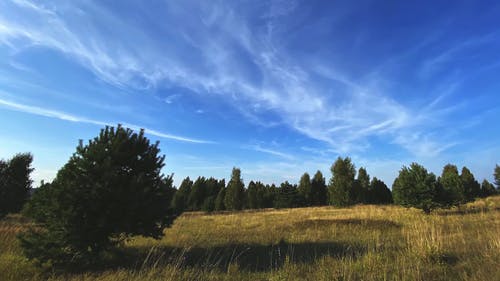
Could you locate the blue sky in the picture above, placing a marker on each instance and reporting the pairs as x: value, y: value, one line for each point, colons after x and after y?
x: 276, y: 88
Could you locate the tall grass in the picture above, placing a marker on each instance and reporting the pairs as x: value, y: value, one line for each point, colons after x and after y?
x: 358, y: 243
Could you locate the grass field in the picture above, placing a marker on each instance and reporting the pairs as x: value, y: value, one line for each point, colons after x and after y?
x: 358, y: 243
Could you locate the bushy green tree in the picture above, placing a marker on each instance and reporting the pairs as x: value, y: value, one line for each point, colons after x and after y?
x: 487, y: 189
x: 379, y: 193
x: 319, y: 190
x: 15, y: 183
x: 471, y: 187
x: 305, y: 189
x: 252, y: 195
x: 269, y: 197
x: 451, y: 188
x: 341, y: 183
x: 415, y: 187
x: 110, y: 189
x: 235, y: 192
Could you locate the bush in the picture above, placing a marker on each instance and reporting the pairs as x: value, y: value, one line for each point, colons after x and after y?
x: 110, y: 190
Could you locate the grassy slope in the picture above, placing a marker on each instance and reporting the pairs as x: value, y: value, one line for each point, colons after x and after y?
x: 359, y: 243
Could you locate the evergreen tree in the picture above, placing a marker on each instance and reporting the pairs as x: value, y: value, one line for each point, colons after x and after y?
x: 287, y: 196
x: 472, y: 188
x: 360, y: 188
x: 496, y: 175
x: 110, y: 190
x: 180, y: 199
x: 305, y: 189
x: 319, y: 190
x: 235, y: 193
x: 451, y: 188
x: 15, y: 183
x: 252, y: 195
x: 379, y: 193
x: 219, y: 201
x: 415, y: 187
x: 270, y: 192
x: 198, y: 194
x: 342, y: 181
x: 487, y: 189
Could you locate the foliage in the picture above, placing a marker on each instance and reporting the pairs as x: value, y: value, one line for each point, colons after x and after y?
x: 496, y: 175
x: 379, y: 193
x: 472, y: 189
x: 341, y: 183
x: 15, y: 183
x: 451, y: 187
x: 487, y: 189
x: 305, y: 189
x: 415, y: 187
x: 110, y: 189
x: 179, y: 202
x: 360, y: 188
x: 319, y: 191
x: 235, y: 192
x: 287, y: 196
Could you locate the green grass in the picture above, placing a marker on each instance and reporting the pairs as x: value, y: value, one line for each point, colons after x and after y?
x: 358, y: 243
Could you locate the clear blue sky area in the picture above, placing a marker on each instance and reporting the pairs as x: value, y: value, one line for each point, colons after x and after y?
x: 277, y: 88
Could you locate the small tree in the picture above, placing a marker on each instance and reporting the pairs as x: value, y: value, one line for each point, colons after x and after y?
x: 319, y: 190
x: 305, y: 189
x: 360, y: 187
x: 342, y: 181
x: 15, y: 183
x: 198, y: 194
x: 235, y: 193
x: 252, y: 195
x: 219, y: 201
x: 109, y: 190
x: 415, y: 187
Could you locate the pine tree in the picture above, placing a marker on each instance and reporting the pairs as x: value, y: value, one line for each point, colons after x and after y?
x: 252, y: 195
x: 487, y: 189
x: 342, y: 181
x: 305, y: 190
x: 360, y: 187
x: 415, y: 187
x: 198, y: 194
x: 219, y: 201
x: 110, y: 189
x: 235, y: 193
x: 15, y: 183
x: 472, y: 188
x: 319, y: 190
x: 287, y: 196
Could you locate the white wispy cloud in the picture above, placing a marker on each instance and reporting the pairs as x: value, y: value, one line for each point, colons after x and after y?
x: 286, y: 87
x: 270, y: 151
x: 77, y: 119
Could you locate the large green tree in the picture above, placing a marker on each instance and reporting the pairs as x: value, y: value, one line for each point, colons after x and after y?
x: 15, y: 183
x: 487, y: 189
x: 235, y: 192
x: 110, y: 189
x: 342, y: 182
x: 415, y: 187
x: 319, y: 190
x: 287, y: 196
x: 305, y: 189
x: 198, y: 194
x: 360, y: 188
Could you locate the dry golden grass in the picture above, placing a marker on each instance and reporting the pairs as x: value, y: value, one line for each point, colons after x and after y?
x: 358, y: 243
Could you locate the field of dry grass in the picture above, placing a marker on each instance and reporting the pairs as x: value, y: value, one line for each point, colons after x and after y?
x: 358, y: 243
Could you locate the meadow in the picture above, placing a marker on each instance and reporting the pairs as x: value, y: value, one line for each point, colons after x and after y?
x: 364, y: 242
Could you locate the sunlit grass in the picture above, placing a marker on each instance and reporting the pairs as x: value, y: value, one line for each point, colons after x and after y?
x: 358, y: 243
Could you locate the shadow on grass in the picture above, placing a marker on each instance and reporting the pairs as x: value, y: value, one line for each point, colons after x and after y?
x: 249, y: 257
x: 367, y: 223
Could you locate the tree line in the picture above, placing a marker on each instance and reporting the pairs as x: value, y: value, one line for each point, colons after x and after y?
x: 112, y: 188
